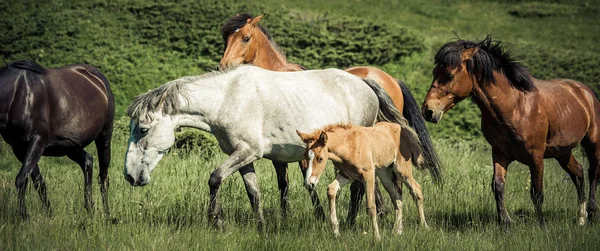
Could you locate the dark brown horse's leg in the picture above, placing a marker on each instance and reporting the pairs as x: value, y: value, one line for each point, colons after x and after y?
x: 103, y: 147
x: 592, y: 150
x: 575, y: 171
x: 40, y: 187
x: 500, y: 168
x: 537, y: 187
x: 357, y: 190
x: 282, y: 184
x: 86, y: 162
x: 29, y: 160
x: 314, y: 198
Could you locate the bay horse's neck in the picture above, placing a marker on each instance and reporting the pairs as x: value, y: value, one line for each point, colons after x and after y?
x: 498, y: 101
x: 267, y: 56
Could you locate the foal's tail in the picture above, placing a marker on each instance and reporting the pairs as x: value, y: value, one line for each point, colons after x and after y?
x: 389, y: 113
x: 412, y: 113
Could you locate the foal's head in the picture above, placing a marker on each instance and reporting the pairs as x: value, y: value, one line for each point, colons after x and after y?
x: 241, y: 35
x: 316, y: 156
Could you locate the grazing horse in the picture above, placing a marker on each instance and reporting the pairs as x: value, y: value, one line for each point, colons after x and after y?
x: 361, y: 153
x: 523, y: 118
x: 56, y: 112
x: 246, y: 42
x: 253, y: 114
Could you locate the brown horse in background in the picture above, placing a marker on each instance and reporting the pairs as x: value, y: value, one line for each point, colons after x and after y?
x: 363, y: 153
x: 523, y: 118
x: 246, y: 42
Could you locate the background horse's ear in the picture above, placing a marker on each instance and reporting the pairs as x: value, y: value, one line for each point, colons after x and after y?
x: 467, y: 54
x: 323, y: 138
x: 255, y: 20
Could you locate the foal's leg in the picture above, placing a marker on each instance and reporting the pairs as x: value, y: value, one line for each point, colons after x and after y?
x: 249, y: 177
x: 282, y: 184
x: 536, y: 170
x: 500, y: 168
x: 332, y: 190
x: 369, y: 180
x: 86, y: 162
x: 388, y: 180
x: 28, y: 160
x: 405, y: 172
x: 575, y: 171
x: 357, y: 190
x: 40, y: 186
x: 103, y: 147
x: 242, y: 156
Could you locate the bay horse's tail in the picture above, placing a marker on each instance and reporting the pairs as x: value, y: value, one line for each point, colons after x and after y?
x: 389, y: 113
x: 412, y: 113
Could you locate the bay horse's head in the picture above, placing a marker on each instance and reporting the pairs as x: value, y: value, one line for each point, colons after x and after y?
x: 151, y: 131
x: 241, y: 35
x: 316, y: 156
x: 462, y: 66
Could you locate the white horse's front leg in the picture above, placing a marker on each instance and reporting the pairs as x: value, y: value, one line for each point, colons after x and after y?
x: 339, y: 182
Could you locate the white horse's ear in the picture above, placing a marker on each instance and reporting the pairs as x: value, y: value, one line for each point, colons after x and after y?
x: 323, y: 138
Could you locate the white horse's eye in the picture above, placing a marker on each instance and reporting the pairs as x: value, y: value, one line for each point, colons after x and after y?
x: 144, y: 131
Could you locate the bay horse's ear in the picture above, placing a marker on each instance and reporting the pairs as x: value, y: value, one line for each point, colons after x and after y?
x: 323, y: 138
x: 467, y: 54
x: 305, y: 137
x: 255, y: 20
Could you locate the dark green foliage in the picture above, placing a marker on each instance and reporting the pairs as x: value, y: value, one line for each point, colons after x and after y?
x: 541, y: 9
x: 198, y: 143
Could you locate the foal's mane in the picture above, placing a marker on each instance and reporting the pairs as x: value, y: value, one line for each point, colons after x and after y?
x: 163, y: 98
x: 332, y: 127
x: 26, y: 65
x: 489, y: 56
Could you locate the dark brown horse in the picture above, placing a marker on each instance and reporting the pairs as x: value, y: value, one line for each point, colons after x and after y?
x: 56, y: 112
x: 523, y: 118
x: 247, y: 42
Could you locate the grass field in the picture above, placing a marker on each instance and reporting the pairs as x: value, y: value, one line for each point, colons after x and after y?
x: 171, y: 212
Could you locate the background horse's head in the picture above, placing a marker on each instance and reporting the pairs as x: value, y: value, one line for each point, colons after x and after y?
x: 462, y: 66
x: 152, y: 132
x: 316, y: 155
x: 241, y: 35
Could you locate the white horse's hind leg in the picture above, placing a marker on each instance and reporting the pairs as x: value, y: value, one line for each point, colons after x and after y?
x: 253, y: 191
x: 238, y: 159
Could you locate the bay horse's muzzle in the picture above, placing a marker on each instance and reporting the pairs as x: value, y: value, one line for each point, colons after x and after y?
x: 432, y: 116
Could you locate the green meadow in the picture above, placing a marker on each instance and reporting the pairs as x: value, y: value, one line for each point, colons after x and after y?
x: 142, y: 44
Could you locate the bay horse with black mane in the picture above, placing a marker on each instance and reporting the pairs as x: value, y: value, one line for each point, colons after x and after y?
x: 523, y: 118
x: 247, y: 42
x: 56, y: 112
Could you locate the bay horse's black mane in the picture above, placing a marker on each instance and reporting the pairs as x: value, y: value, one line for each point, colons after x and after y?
x: 237, y: 22
x: 490, y: 56
x: 26, y: 65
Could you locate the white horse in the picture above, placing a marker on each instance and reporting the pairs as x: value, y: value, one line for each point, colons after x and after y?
x: 253, y: 113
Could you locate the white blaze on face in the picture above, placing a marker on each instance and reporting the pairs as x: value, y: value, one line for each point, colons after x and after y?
x: 308, y: 177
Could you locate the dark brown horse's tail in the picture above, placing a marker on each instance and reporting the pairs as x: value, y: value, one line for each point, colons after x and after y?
x: 412, y: 113
x: 389, y: 113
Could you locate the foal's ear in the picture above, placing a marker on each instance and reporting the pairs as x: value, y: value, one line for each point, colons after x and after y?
x: 305, y: 137
x: 323, y: 138
x: 467, y: 54
x: 255, y: 20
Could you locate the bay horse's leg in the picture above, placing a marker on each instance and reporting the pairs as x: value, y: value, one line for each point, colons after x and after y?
x: 40, y: 186
x: 282, y: 184
x: 389, y: 181
x: 500, y: 168
x: 575, y: 171
x: 314, y: 198
x: 249, y: 177
x: 29, y: 160
x: 332, y: 190
x: 239, y: 158
x: 536, y: 170
x: 86, y: 162
x: 369, y: 180
x: 103, y: 148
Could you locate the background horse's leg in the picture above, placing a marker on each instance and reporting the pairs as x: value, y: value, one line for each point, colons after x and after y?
x: 40, y: 186
x: 592, y: 150
x: 332, y: 190
x: 86, y: 162
x: 103, y: 147
x: 575, y: 171
x: 282, y: 184
x: 29, y: 160
x: 240, y: 157
x: 249, y: 177
x: 390, y: 183
x: 536, y: 170
x: 500, y: 168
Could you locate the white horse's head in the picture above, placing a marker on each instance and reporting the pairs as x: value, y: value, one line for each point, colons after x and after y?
x: 150, y: 137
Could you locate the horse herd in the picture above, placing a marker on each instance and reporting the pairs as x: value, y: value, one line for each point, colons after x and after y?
x: 261, y: 106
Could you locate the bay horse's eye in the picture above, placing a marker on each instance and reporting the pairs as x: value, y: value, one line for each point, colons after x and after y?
x: 450, y: 77
x: 246, y: 39
x: 144, y: 131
